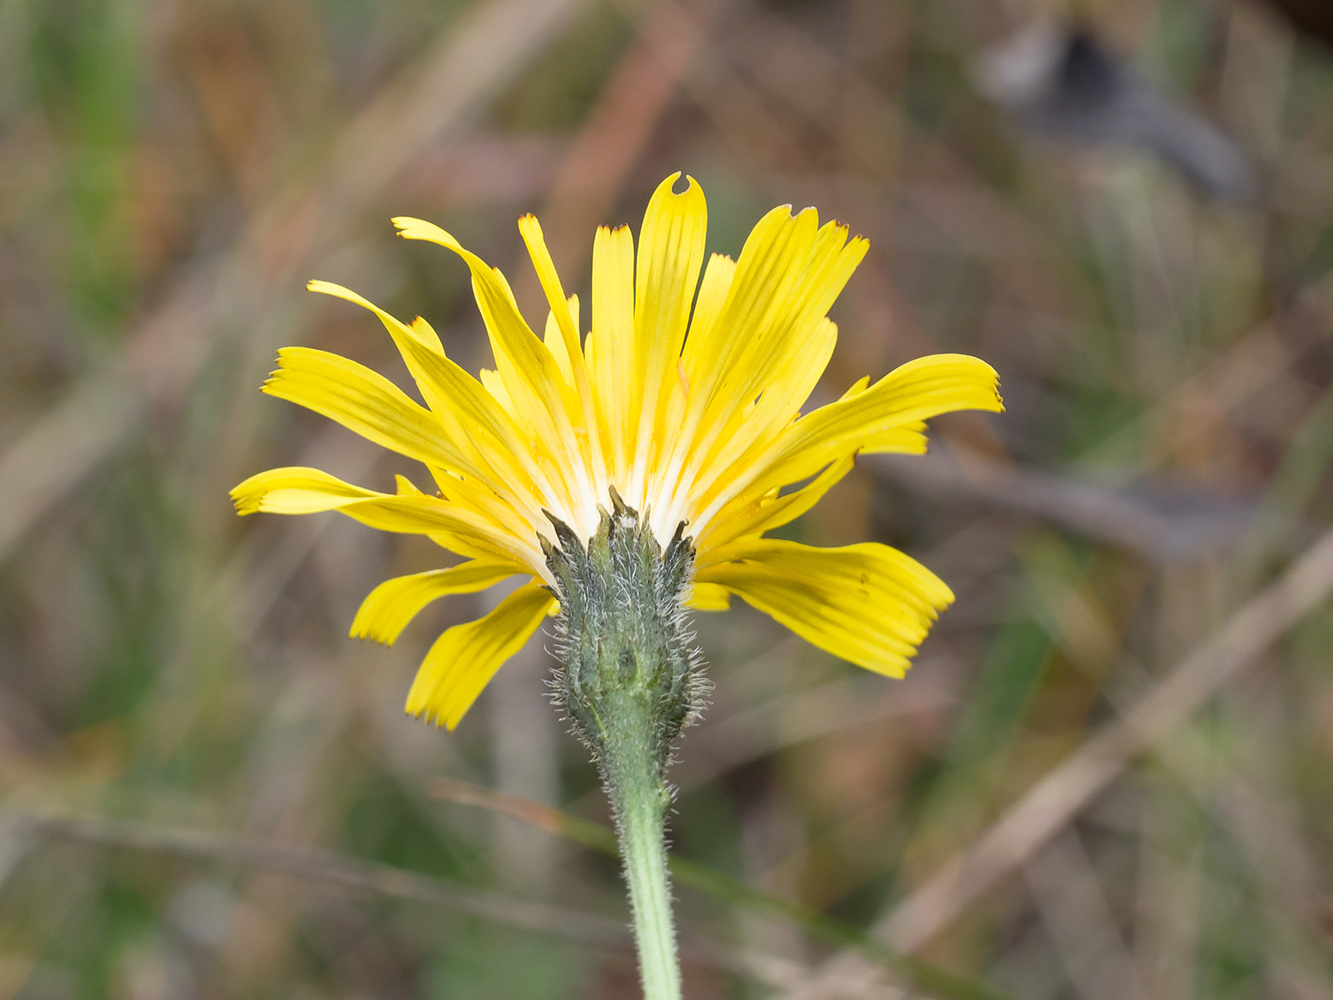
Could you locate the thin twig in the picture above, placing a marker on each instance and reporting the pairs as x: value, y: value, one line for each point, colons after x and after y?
x: 1080, y: 921
x: 1083, y: 508
x: 324, y: 866
x: 358, y: 875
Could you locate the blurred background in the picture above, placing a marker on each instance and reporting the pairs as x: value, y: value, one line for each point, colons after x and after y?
x: 1110, y: 774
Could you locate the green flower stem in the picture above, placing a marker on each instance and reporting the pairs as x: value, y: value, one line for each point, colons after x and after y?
x: 629, y: 684
x: 639, y: 799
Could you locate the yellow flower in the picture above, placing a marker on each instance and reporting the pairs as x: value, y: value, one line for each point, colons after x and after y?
x: 691, y: 415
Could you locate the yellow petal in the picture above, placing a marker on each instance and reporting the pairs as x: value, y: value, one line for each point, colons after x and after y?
x: 776, y: 248
x: 456, y: 527
x: 564, y: 313
x: 500, y: 511
x: 867, y: 603
x: 782, y: 354
x: 490, y: 378
x: 510, y: 530
x: 418, y: 330
x: 774, y: 254
x: 362, y: 401
x: 795, y: 326
x: 488, y: 445
x: 712, y: 295
x: 566, y: 321
x: 887, y: 416
x: 470, y: 532
x: 464, y: 659
x: 742, y: 438
x: 530, y: 373
x: 768, y: 513
x: 856, y: 388
x: 295, y: 490
x: 905, y: 439
x: 555, y: 343
x: 389, y: 607
x: 404, y: 487
x: 713, y: 291
x: 671, y: 252
x: 709, y: 597
x: 613, y: 329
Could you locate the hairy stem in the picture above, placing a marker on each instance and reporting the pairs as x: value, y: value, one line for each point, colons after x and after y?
x: 630, y: 682
x: 639, y: 800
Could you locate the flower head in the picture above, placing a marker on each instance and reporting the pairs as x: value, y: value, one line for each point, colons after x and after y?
x: 684, y: 399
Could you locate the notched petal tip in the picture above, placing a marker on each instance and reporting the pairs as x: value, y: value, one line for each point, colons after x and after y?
x: 425, y: 714
x: 321, y: 287
x: 364, y: 632
x: 667, y: 189
x: 431, y: 715
x: 692, y: 187
x: 419, y: 229
x: 858, y: 246
x: 245, y: 499
x: 248, y: 496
